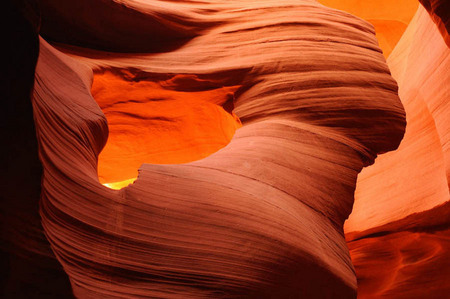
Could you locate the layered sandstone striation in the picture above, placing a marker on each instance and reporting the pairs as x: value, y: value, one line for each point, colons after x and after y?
x: 398, y: 231
x: 124, y: 26
x: 243, y: 128
x: 260, y: 217
x: 181, y: 118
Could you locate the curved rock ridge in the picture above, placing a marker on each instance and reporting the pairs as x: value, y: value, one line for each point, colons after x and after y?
x: 261, y: 217
x: 403, y: 252
x: 124, y: 26
x: 419, y: 64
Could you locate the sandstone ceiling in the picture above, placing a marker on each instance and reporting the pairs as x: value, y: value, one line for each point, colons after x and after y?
x: 215, y: 149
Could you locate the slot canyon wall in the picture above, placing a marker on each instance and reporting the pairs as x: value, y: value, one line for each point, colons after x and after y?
x: 398, y: 231
x: 215, y: 149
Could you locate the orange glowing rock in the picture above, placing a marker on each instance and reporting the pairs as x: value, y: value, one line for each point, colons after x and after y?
x: 398, y: 232
x: 262, y: 216
x: 414, y: 178
x: 390, y: 18
x: 237, y: 133
x: 170, y: 120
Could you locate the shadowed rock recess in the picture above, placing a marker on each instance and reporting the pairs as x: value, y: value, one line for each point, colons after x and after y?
x: 214, y: 149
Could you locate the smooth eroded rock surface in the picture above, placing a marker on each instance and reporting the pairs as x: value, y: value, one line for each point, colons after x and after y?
x: 261, y: 217
x: 398, y: 231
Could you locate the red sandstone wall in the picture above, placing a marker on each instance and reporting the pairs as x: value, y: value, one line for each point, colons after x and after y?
x: 263, y: 215
x: 398, y: 231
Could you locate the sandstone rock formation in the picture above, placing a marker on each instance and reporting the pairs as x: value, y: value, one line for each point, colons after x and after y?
x: 247, y: 123
x: 404, y: 251
x: 261, y: 217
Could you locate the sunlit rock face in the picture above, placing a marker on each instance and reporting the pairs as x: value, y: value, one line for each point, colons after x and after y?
x: 439, y: 12
x: 423, y: 153
x: 242, y: 127
x: 262, y: 216
x: 161, y: 119
x: 398, y: 231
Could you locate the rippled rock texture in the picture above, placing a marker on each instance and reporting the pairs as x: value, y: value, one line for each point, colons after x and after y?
x: 246, y: 124
x: 399, y: 228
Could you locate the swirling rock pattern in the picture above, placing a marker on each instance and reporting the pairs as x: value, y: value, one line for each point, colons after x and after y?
x: 403, y: 252
x: 181, y: 118
x: 261, y: 217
